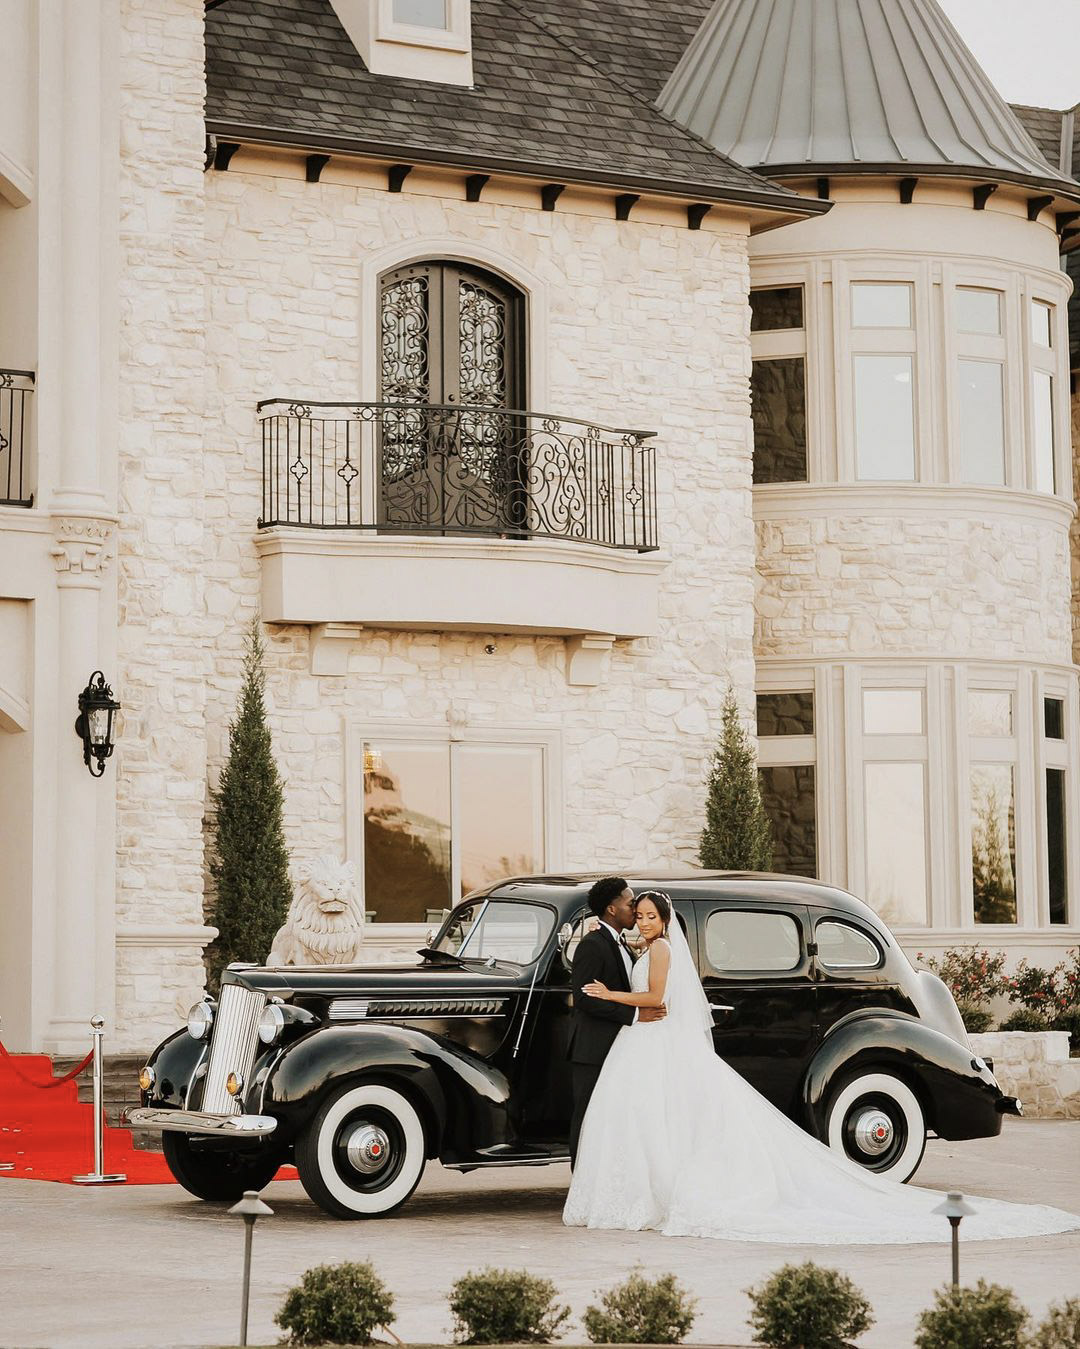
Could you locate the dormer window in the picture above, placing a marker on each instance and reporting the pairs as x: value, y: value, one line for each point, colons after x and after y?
x: 411, y: 39
x: 420, y: 13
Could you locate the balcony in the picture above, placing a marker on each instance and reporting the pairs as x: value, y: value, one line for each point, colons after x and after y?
x: 16, y: 386
x: 456, y: 517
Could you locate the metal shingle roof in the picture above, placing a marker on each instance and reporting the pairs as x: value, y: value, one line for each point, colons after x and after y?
x: 847, y: 85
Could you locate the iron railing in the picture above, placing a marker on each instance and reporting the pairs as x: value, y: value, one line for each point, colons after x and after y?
x: 455, y: 469
x: 16, y: 386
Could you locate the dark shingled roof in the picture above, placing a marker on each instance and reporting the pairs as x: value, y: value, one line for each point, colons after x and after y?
x: 540, y: 104
x: 1043, y: 125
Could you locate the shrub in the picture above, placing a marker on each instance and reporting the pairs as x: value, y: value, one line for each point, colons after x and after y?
x: 336, y: 1304
x: 737, y: 834
x: 249, y: 862
x: 1039, y: 990
x: 975, y: 1019
x: 642, y: 1310
x: 1069, y: 1021
x: 973, y: 975
x: 1061, y: 1328
x: 500, y: 1306
x: 806, y: 1307
x: 984, y: 1317
x: 1025, y: 1019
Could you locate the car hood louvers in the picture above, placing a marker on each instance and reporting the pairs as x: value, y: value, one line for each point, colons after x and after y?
x: 358, y: 1009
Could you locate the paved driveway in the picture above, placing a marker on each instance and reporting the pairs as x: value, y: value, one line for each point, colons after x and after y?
x: 150, y: 1266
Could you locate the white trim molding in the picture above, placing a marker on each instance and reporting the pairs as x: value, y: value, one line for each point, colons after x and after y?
x: 857, y: 500
x: 457, y: 584
x: 16, y: 181
x: 165, y: 934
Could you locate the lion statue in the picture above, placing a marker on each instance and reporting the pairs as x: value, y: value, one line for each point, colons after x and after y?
x: 325, y: 922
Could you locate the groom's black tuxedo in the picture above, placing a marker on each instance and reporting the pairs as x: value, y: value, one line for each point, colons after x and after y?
x: 595, y: 1023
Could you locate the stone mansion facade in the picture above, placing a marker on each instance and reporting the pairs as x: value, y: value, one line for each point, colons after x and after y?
x: 537, y: 372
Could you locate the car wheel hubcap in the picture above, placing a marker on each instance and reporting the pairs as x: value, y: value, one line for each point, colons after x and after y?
x: 874, y: 1132
x: 368, y: 1149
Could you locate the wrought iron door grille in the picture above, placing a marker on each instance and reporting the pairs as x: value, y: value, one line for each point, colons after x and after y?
x: 16, y: 386
x: 471, y: 469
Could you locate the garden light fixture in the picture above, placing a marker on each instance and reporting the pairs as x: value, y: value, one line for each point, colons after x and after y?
x: 249, y: 1208
x: 954, y: 1208
x: 95, y: 723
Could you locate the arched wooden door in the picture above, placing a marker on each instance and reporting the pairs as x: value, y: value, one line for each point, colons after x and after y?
x: 452, y: 369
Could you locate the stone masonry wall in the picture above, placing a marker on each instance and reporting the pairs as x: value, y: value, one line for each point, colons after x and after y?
x: 913, y: 584
x: 253, y: 290
x: 647, y: 326
x: 1036, y: 1067
x: 163, y: 632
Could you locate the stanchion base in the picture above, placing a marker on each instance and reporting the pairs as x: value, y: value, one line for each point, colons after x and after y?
x: 94, y: 1178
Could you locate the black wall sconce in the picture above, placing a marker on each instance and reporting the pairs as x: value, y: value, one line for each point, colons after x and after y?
x: 94, y: 727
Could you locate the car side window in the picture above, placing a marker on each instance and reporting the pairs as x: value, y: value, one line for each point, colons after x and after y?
x: 843, y: 947
x: 742, y: 941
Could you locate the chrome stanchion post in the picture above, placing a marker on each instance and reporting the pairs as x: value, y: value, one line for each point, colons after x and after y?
x: 98, y: 1176
x: 249, y: 1208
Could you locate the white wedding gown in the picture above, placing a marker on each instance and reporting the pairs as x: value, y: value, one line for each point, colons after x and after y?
x: 675, y: 1140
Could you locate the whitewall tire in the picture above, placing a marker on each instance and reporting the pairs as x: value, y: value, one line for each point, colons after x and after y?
x: 876, y: 1120
x: 363, y: 1153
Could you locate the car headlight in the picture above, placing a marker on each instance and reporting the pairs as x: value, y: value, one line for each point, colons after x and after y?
x: 271, y: 1023
x: 147, y: 1077
x: 199, y: 1020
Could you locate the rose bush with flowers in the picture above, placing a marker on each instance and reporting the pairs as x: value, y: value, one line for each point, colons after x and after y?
x: 1046, y: 999
x: 973, y: 976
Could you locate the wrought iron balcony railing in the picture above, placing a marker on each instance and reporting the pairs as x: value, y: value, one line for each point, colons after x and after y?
x: 456, y: 470
x: 16, y: 386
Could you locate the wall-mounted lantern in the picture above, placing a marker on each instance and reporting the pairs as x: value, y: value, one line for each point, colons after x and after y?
x: 94, y: 727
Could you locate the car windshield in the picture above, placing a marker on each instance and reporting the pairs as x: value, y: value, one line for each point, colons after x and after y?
x: 497, y: 930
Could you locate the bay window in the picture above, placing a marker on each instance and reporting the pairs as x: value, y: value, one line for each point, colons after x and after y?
x: 787, y: 753
x: 883, y: 380
x: 778, y: 384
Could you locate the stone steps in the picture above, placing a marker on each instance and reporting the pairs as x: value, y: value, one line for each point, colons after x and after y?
x: 120, y: 1091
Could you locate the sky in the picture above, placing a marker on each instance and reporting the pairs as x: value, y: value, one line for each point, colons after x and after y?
x: 1029, y: 48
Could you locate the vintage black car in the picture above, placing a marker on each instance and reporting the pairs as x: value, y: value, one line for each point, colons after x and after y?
x: 360, y: 1074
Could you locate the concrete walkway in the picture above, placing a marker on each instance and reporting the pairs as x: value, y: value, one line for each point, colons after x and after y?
x: 128, y: 1268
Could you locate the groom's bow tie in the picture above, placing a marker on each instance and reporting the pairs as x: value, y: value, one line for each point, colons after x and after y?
x: 624, y: 943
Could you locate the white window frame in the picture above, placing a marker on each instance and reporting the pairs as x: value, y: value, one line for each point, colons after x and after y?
x: 360, y: 730
x: 1065, y: 755
x: 780, y: 344
x: 795, y: 751
x: 915, y: 342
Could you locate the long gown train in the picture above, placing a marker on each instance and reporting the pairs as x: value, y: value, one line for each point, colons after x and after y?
x: 677, y: 1141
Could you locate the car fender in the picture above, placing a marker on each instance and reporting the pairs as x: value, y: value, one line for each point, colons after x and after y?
x: 464, y: 1101
x: 958, y: 1092
x: 175, y: 1064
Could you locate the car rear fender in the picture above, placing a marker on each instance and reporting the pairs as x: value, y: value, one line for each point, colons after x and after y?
x: 957, y: 1091
x: 463, y: 1101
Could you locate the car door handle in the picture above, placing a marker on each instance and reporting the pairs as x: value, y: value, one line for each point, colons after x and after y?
x: 721, y: 1006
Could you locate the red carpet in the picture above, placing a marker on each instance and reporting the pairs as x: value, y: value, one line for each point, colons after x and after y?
x: 49, y: 1135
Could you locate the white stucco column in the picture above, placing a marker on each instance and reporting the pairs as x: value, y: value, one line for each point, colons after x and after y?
x: 78, y: 362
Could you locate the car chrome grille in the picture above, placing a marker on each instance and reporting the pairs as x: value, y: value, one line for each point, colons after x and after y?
x: 233, y: 1042
x: 356, y: 1009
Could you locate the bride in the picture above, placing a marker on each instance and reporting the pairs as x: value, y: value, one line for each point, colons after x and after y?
x: 702, y: 1154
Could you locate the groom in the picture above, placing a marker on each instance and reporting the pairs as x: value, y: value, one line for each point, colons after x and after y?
x: 601, y: 955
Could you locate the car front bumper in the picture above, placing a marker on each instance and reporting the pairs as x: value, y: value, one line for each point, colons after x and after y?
x: 200, y: 1122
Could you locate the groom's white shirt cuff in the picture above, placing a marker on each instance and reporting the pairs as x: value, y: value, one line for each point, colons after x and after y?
x: 624, y: 954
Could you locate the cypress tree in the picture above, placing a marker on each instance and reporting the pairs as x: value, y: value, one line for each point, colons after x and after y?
x: 249, y: 862
x: 737, y: 835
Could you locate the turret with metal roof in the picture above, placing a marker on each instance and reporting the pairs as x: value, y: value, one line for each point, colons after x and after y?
x: 834, y: 87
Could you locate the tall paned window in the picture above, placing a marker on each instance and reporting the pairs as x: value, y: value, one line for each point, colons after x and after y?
x: 441, y: 820
x: 452, y: 370
x: 980, y: 383
x: 993, y: 804
x: 778, y: 383
x: 883, y: 379
x: 787, y: 753
x: 1043, y: 396
x: 895, y: 803
x: 1057, y: 815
